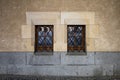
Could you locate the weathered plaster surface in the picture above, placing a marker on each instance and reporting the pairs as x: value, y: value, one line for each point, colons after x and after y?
x: 13, y: 16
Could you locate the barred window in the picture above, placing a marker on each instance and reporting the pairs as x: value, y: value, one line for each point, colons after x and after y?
x: 43, y: 38
x: 76, y: 38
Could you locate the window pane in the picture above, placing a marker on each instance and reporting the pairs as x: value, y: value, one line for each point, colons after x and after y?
x: 76, y: 37
x: 44, y: 38
x: 71, y: 36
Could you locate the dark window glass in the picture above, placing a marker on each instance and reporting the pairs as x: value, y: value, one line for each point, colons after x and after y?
x: 43, y: 38
x: 76, y: 38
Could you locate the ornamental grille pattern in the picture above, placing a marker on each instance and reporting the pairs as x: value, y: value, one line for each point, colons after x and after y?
x: 44, y: 38
x: 76, y: 38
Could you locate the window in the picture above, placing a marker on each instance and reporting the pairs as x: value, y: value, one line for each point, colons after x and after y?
x: 44, y: 38
x: 76, y: 38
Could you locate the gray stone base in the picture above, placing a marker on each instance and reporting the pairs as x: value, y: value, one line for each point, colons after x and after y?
x: 61, y: 64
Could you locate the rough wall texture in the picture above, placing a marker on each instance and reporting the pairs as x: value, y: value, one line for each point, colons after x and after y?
x: 13, y: 16
x: 60, y: 64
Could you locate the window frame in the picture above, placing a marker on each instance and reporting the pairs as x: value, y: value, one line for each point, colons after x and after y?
x: 37, y: 49
x: 83, y: 42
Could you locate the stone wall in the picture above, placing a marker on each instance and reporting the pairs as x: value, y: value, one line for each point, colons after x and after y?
x: 60, y: 20
x: 61, y: 64
x: 13, y: 18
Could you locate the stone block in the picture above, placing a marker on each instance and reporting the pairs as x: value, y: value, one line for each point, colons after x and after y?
x: 90, y: 70
x: 107, y: 58
x: 87, y: 31
x: 107, y: 70
x: 42, y: 21
x: 34, y: 17
x: 60, y: 38
x: 16, y: 70
x: 77, y: 59
x: 60, y: 47
x: 7, y: 58
x: 60, y: 33
x: 3, y: 69
x: 90, y: 16
x: 76, y: 21
x: 33, y: 59
x: 90, y: 44
x: 68, y: 70
x: 62, y: 70
x: 116, y: 69
x: 43, y: 70
x: 26, y: 31
x: 65, y: 33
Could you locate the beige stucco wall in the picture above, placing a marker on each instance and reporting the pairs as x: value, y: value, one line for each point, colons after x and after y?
x: 13, y: 23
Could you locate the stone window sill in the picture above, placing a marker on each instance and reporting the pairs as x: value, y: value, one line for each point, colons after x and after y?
x: 43, y: 53
x: 76, y: 53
